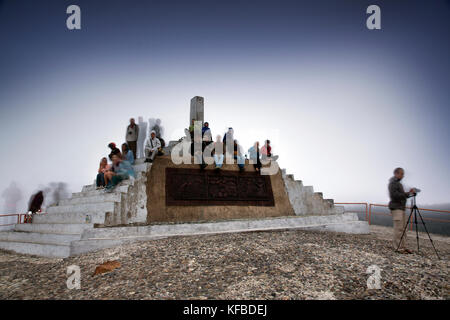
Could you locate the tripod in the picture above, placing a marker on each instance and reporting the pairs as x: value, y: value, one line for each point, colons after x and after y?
x: 416, y: 212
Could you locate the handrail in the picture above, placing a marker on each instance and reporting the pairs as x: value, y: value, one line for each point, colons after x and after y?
x: 11, y: 215
x: 357, y: 203
x: 370, y: 205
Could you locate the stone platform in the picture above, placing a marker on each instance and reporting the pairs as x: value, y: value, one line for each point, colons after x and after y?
x: 138, y: 210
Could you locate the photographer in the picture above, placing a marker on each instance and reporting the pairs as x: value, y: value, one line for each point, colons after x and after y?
x: 397, y: 205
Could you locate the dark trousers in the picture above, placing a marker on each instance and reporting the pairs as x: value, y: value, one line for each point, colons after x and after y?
x: 101, y: 179
x: 133, y: 146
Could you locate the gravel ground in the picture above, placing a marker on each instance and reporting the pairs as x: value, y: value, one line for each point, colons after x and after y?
x: 257, y: 265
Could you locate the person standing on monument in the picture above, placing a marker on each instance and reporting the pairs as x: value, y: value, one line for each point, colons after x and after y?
x: 132, y: 136
x: 397, y: 206
x: 191, y: 129
x: 141, y: 138
x: 152, y: 147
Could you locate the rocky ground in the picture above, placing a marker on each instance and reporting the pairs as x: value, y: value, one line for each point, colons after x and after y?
x: 258, y: 265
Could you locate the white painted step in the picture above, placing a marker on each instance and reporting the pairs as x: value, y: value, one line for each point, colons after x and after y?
x: 59, y: 228
x: 91, y: 193
x: 96, y: 198
x: 42, y: 238
x: 92, y: 187
x: 74, y: 218
x: 39, y: 249
x: 84, y: 208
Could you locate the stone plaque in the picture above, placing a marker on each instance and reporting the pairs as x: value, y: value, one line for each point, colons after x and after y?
x: 195, y: 187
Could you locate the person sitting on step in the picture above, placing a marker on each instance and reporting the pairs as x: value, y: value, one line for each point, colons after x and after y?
x: 239, y: 155
x: 266, y: 152
x: 152, y: 147
x: 253, y: 154
x: 103, y: 168
x: 121, y: 170
x: 127, y: 153
x: 206, y: 134
x: 218, y: 152
x: 114, y: 150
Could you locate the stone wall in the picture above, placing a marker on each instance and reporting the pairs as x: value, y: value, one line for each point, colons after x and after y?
x: 158, y: 211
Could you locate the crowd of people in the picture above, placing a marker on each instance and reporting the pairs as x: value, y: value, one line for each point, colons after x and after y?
x: 227, y: 146
x: 121, y: 162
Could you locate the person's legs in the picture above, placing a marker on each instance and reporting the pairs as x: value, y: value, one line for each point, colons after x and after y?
x: 133, y: 146
x: 100, y: 180
x: 218, y: 159
x: 399, y: 221
x: 240, y: 162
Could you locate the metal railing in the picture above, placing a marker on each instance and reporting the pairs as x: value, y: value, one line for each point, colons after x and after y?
x: 18, y: 220
x: 369, y: 212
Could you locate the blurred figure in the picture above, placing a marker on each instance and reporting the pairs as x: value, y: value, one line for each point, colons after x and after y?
x: 35, y: 203
x: 239, y: 155
x: 218, y: 152
x: 397, y: 206
x: 254, y: 156
x: 114, y: 150
x: 228, y: 141
x: 127, y: 154
x: 159, y: 130
x: 132, y: 136
x: 191, y: 129
x: 141, y: 139
x: 58, y: 191
x: 12, y: 196
x: 121, y: 170
x: 266, y: 150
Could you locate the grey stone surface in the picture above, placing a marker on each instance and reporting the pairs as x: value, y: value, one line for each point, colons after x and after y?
x: 197, y: 109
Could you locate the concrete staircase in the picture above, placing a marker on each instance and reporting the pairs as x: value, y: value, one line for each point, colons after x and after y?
x: 307, y: 202
x: 68, y: 228
x: 52, y: 234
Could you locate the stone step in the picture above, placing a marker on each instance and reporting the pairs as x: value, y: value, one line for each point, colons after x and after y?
x: 58, y: 228
x: 118, y: 189
x: 42, y: 238
x: 69, y: 218
x: 39, y: 249
x: 84, y: 208
x: 96, y: 198
x: 142, y: 167
x: 92, y: 187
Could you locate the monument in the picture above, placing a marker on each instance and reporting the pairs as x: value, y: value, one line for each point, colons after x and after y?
x: 179, y: 199
x: 197, y: 109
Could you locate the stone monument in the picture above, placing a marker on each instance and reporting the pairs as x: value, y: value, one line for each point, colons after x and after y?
x: 197, y: 109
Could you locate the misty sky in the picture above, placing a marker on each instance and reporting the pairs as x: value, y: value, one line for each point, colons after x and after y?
x: 343, y: 105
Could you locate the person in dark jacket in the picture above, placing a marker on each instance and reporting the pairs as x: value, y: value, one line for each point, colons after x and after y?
x: 114, y: 150
x: 397, y: 206
x: 34, y: 205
